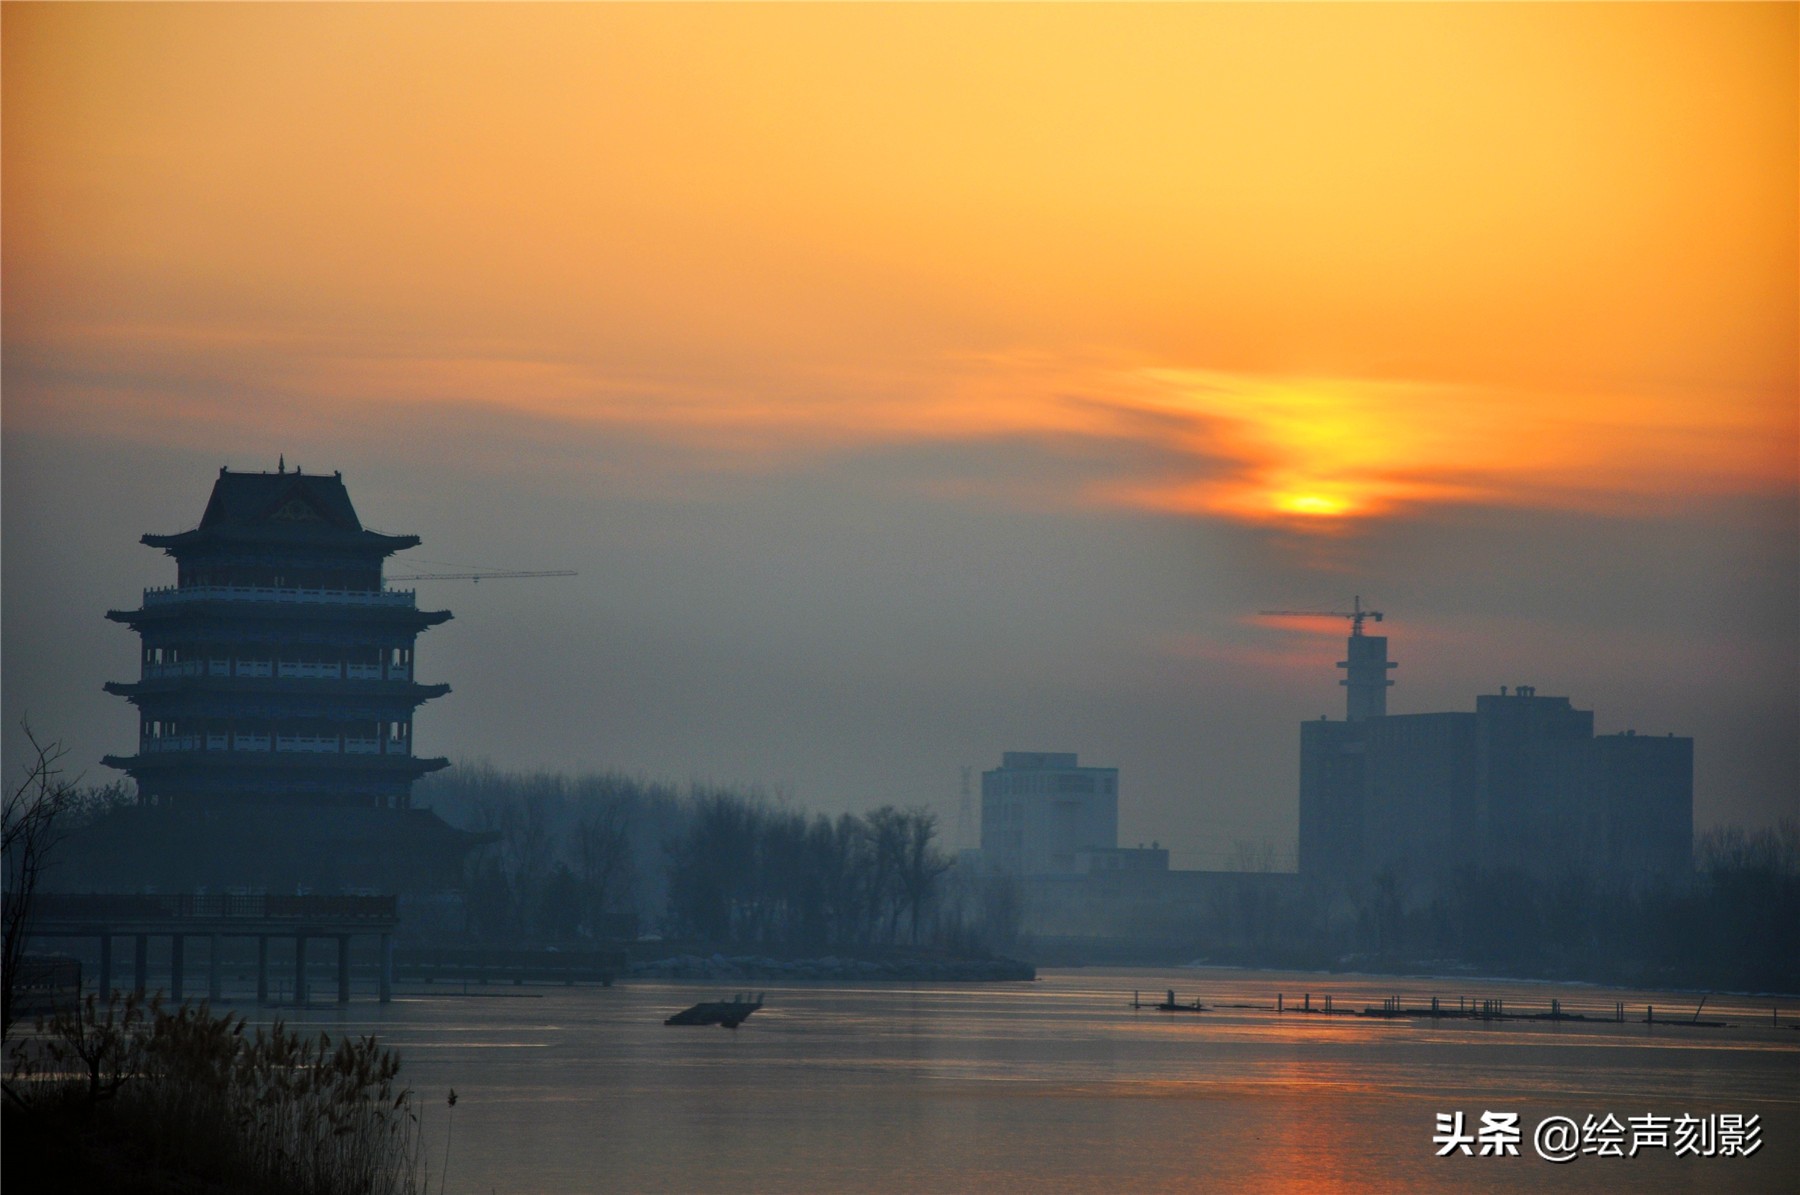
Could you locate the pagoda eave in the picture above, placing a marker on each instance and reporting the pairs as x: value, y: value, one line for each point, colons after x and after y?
x: 313, y: 536
x: 282, y: 613
x: 171, y: 686
x: 274, y: 761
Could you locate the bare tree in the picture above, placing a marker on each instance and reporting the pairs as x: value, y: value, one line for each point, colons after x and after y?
x: 34, y: 816
x: 603, y: 859
x: 920, y: 864
x: 1252, y: 855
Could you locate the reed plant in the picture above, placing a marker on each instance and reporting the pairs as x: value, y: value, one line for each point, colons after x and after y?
x: 207, y: 1104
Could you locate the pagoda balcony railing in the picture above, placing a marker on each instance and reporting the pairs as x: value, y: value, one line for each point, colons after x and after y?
x: 302, y: 669
x: 211, y: 906
x: 185, y: 668
x: 172, y: 742
x: 259, y: 593
x: 298, y: 743
x: 309, y: 669
x: 307, y: 742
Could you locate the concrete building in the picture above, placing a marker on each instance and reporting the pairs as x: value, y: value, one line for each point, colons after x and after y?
x: 1040, y: 810
x: 1522, y: 782
x: 1050, y: 828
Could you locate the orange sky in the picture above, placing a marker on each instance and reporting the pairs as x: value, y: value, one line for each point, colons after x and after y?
x: 911, y: 383
x: 1312, y: 261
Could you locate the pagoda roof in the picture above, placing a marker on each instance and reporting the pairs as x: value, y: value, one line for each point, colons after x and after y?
x: 312, y: 509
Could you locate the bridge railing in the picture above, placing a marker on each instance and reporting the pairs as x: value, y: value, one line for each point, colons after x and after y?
x: 211, y: 906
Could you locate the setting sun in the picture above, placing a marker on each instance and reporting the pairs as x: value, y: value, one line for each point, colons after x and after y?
x: 1312, y: 504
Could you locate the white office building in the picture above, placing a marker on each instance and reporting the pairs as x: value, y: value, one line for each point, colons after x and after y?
x: 1041, y: 811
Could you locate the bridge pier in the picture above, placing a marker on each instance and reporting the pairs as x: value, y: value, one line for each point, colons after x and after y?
x: 387, y: 968
x: 262, y: 969
x: 140, y: 958
x: 300, y: 969
x: 177, y: 965
x: 105, y: 968
x: 343, y: 971
x: 212, y: 970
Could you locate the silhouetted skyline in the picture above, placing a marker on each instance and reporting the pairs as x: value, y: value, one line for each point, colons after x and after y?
x: 909, y: 385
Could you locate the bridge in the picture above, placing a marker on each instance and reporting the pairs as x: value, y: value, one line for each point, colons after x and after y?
x: 180, y: 916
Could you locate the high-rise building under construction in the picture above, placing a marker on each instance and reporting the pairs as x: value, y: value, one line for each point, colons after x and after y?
x: 1522, y: 782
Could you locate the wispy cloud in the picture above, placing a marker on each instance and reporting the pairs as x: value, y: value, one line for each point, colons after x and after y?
x: 1316, y: 454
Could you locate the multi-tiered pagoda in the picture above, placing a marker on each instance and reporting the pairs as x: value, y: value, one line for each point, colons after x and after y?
x: 277, y: 670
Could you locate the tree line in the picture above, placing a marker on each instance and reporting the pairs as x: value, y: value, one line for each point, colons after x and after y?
x: 603, y: 855
x: 1734, y: 923
x: 747, y: 872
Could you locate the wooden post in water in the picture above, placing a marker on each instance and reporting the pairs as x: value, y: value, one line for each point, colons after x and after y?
x: 1309, y: 1002
x: 1278, y: 1007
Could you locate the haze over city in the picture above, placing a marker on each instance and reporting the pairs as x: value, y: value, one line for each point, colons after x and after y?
x: 910, y: 384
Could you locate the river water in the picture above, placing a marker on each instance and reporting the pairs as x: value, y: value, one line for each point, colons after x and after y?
x: 1059, y: 1085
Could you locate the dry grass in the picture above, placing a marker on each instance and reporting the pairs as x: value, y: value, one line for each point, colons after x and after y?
x: 189, y: 1101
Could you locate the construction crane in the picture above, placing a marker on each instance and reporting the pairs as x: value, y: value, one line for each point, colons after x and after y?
x: 1366, y: 668
x: 485, y: 574
x: 1355, y: 614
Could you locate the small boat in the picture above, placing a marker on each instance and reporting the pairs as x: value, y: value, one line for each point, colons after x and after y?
x: 1170, y: 1004
x: 729, y: 1013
